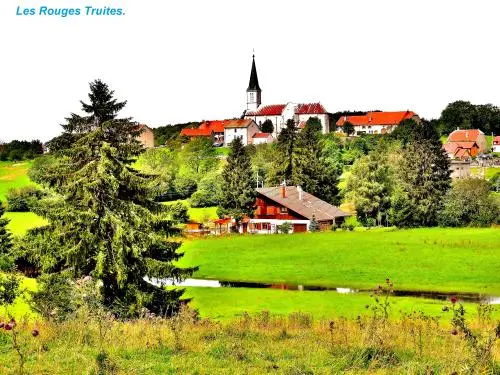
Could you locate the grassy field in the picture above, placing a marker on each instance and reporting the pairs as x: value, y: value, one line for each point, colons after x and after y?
x: 487, y: 172
x: 436, y: 259
x: 198, y: 214
x: 263, y: 344
x: 228, y: 303
x: 13, y: 175
x: 20, y: 222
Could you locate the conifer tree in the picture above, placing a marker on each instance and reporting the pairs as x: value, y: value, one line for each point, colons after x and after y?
x: 5, y: 237
x: 238, y: 190
x: 314, y: 225
x: 106, y: 222
x: 311, y: 170
x: 285, y: 147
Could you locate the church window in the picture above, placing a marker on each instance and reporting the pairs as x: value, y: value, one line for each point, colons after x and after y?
x: 251, y: 97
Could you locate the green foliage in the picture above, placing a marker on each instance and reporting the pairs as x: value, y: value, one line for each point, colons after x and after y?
x: 312, y: 168
x: 199, y: 157
x: 348, y: 128
x: 9, y: 288
x: 369, y: 186
x: 168, y: 133
x: 107, y: 223
x: 261, y: 161
x: 5, y: 241
x: 405, y: 132
x: 208, y: 193
x: 54, y: 297
x: 267, y: 126
x: 238, y: 191
x: 23, y: 199
x: 184, y: 186
x: 314, y: 123
x: 469, y: 203
x: 464, y: 115
x: 177, y: 212
x: 350, y: 223
x: 42, y: 166
x: 422, y: 178
x: 495, y: 182
x: 284, y: 228
x: 282, y: 169
x: 314, y: 225
x: 20, y: 150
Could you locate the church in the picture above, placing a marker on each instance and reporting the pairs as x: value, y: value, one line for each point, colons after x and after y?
x: 279, y: 114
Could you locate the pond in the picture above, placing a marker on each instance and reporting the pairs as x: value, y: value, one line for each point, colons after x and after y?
x: 467, y: 297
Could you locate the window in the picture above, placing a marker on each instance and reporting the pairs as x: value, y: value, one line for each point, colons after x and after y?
x: 251, y: 97
x: 264, y: 226
x: 235, y: 130
x: 283, y: 210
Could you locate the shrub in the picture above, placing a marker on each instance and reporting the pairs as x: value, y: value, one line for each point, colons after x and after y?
x: 284, y: 228
x: 23, y: 199
x: 350, y: 223
x: 208, y: 193
x: 178, y: 212
x: 184, y: 186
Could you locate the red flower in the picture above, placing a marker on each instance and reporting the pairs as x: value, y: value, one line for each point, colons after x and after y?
x: 454, y: 332
x: 453, y: 299
x: 8, y: 326
x: 35, y: 332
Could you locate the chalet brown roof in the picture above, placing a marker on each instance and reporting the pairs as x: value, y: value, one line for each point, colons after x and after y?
x: 308, y: 206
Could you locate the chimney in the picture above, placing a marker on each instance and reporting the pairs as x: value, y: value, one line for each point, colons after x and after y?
x: 300, y: 191
x: 345, y: 118
x: 283, y: 189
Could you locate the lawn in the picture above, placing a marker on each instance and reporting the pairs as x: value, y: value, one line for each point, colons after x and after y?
x: 487, y: 172
x: 198, y: 214
x: 435, y: 259
x: 13, y: 175
x: 227, y: 303
x: 20, y: 222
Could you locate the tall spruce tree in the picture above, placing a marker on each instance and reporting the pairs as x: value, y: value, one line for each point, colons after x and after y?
x: 423, y: 178
x: 311, y: 168
x: 285, y: 146
x: 5, y: 237
x: 238, y: 190
x: 106, y: 222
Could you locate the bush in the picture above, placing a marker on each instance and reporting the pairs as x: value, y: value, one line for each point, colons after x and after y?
x: 184, y: 186
x: 284, y: 228
x: 178, y: 212
x: 469, y: 203
x: 23, y: 199
x: 208, y: 193
x: 350, y: 223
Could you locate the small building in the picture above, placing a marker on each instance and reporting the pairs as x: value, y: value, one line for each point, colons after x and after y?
x: 146, y: 137
x: 209, y: 129
x: 260, y: 138
x: 460, y: 169
x: 279, y: 204
x: 496, y: 144
x: 461, y: 150
x: 244, y: 129
x: 469, y: 135
x: 376, y: 122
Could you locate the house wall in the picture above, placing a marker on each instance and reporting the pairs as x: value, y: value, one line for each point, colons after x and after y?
x: 268, y: 209
x: 373, y: 129
x: 245, y: 134
x: 460, y: 169
x: 482, y: 143
x: 147, y: 138
x: 278, y: 122
x: 258, y: 141
x: 496, y: 148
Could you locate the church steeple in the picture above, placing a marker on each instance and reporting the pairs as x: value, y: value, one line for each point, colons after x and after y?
x: 253, y: 90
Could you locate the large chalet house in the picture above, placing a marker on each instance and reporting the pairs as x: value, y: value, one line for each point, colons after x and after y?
x: 279, y: 204
x: 279, y: 114
x: 465, y: 144
x: 376, y: 122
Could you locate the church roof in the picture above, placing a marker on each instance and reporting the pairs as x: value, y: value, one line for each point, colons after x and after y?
x: 254, y: 80
x: 309, y: 109
x: 267, y: 110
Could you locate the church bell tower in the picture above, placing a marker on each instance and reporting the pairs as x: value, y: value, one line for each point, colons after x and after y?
x: 253, y: 90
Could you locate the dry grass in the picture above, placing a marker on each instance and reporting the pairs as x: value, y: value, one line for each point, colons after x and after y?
x: 413, y: 344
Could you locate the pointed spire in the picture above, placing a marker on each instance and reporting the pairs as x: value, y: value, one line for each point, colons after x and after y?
x: 254, y: 80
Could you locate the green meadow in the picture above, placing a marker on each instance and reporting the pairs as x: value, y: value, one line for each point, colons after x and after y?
x: 13, y: 175
x: 430, y: 259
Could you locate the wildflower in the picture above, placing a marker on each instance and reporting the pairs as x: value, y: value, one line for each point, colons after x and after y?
x: 454, y: 332
x: 331, y: 325
x: 8, y: 327
x: 35, y: 332
x: 13, y: 322
x: 454, y: 299
x: 87, y: 278
x: 2, y: 324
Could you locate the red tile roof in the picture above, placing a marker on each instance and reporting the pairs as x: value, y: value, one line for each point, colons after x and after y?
x: 261, y: 135
x: 243, y: 123
x: 267, y: 110
x: 310, y: 109
x: 464, y: 135
x: 216, y: 126
x: 496, y: 140
x: 188, y: 132
x: 378, y: 118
